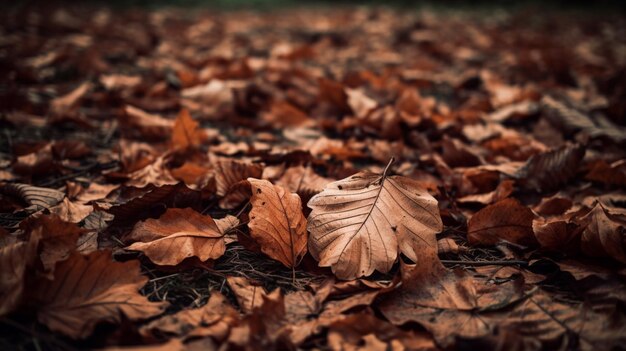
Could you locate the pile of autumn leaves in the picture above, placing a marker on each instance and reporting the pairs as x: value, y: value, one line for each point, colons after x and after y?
x: 356, y: 226
x: 54, y: 268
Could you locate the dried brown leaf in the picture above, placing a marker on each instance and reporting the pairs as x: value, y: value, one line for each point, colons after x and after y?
x: 361, y: 223
x: 277, y: 222
x: 548, y: 170
x: 87, y: 290
x: 178, y: 234
x: 506, y: 220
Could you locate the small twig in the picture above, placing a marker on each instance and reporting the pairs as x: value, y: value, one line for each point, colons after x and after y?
x: 487, y: 263
x: 242, y: 209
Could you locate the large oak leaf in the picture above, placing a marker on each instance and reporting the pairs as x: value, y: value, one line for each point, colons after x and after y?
x: 177, y: 235
x: 277, y: 222
x: 359, y: 224
x: 87, y: 290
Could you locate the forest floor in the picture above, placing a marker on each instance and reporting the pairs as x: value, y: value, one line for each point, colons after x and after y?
x: 351, y: 178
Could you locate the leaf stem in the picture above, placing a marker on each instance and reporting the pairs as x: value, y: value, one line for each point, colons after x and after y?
x: 387, y: 167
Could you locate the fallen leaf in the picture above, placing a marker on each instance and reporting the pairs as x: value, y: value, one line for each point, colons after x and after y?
x: 443, y: 301
x: 70, y: 211
x: 249, y: 296
x: 303, y: 181
x: 554, y: 323
x: 614, y: 173
x: 603, y: 236
x: 14, y: 259
x: 178, y: 234
x: 37, y: 197
x: 138, y: 123
x: 229, y: 172
x: 548, y: 170
x: 361, y: 223
x: 185, y: 133
x: 88, y: 290
x: 277, y: 222
x: 63, y: 104
x: 506, y: 220
x: 360, y: 103
x: 213, y: 319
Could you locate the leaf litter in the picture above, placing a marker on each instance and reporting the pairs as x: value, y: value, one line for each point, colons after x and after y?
x: 354, y: 179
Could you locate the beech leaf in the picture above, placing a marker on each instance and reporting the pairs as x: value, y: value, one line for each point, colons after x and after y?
x: 177, y: 235
x: 361, y: 223
x: 277, y: 222
x: 506, y: 220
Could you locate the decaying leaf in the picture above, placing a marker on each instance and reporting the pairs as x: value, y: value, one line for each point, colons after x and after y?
x: 37, y: 197
x: 249, y: 296
x: 603, y: 236
x: 178, y: 234
x: 443, y: 301
x: 506, y: 220
x: 213, y: 319
x: 277, y: 222
x: 14, y: 258
x: 361, y: 223
x: 548, y: 170
x: 91, y: 289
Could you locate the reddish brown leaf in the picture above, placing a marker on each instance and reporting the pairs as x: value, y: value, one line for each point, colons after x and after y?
x: 548, y: 170
x: 185, y: 133
x: 506, y: 220
x: 277, y: 222
x: 603, y: 235
x: 88, y: 290
x: 178, y: 234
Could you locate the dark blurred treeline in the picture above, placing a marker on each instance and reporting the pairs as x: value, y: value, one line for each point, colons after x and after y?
x: 597, y: 5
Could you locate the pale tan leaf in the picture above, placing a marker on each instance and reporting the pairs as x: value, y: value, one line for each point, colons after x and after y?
x: 277, y: 222
x: 177, y: 235
x: 70, y: 211
x: 225, y: 226
x: 65, y: 103
x: 87, y: 290
x: 361, y: 223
